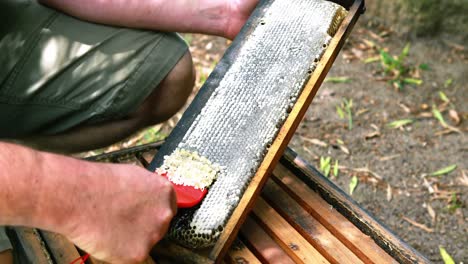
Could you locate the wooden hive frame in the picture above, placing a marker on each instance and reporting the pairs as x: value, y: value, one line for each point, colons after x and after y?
x: 287, y: 130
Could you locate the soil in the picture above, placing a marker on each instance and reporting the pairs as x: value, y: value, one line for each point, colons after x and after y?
x: 393, y: 166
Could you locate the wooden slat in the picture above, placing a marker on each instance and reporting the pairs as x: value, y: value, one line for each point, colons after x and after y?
x: 353, y: 212
x: 299, y: 249
x: 28, y: 242
x: 363, y: 246
x: 311, y: 229
x: 241, y: 254
x: 262, y: 245
x: 286, y: 132
x: 61, y: 249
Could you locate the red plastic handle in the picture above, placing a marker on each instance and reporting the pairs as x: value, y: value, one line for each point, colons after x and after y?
x: 187, y: 196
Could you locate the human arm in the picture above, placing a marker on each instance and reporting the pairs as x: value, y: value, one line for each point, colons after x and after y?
x: 114, y: 212
x: 214, y: 17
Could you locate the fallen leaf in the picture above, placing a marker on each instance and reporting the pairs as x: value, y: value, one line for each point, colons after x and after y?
x: 315, y: 141
x: 389, y: 157
x: 389, y: 193
x: 418, y: 225
x: 463, y: 178
x: 372, y: 135
x: 431, y: 212
x: 428, y: 186
x: 369, y: 43
x: 362, y: 111
x: 454, y: 116
x: 400, y: 123
x: 445, y: 256
x: 445, y: 170
x: 425, y: 115
x: 405, y: 108
x: 353, y: 184
x: 344, y: 149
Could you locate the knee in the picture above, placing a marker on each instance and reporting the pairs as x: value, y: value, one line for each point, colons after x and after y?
x: 172, y: 93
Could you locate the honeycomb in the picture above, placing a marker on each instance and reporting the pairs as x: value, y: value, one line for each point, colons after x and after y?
x: 243, y: 114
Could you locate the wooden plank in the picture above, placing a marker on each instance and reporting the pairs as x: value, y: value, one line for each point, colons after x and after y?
x: 311, y: 229
x: 386, y: 239
x: 299, y: 249
x: 262, y: 245
x: 241, y: 254
x: 363, y: 246
x: 285, y: 134
x: 30, y: 246
x: 61, y: 249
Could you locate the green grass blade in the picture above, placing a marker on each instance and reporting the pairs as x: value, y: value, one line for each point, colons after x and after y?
x: 371, y: 60
x: 438, y: 115
x: 445, y: 256
x: 338, y: 79
x: 445, y: 170
x: 405, y: 52
x: 353, y: 184
x: 412, y: 81
x: 443, y: 97
x: 335, y: 169
x: 340, y: 112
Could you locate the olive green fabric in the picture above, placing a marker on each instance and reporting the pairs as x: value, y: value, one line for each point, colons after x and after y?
x: 58, y: 72
x: 4, y: 241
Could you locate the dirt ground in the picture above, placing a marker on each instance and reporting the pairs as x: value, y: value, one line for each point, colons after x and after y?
x: 390, y: 164
x: 393, y: 166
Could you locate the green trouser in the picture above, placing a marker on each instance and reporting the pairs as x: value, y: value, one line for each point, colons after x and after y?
x: 57, y: 72
x: 4, y: 241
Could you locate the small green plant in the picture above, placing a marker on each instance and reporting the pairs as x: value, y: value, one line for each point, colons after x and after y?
x: 335, y: 169
x: 397, y: 69
x: 325, y: 165
x: 454, y: 203
x: 346, y: 107
x: 448, y: 82
x: 443, y: 97
x: 438, y: 115
x: 353, y: 184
